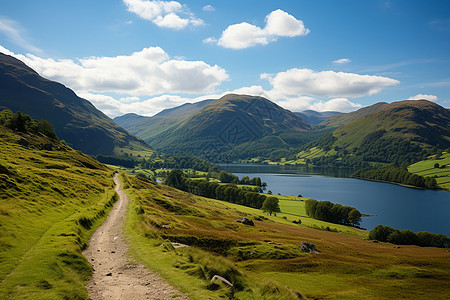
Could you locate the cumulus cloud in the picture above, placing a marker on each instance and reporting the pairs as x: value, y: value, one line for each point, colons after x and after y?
x: 341, y: 61
x: 337, y: 104
x: 208, y: 8
x: 244, y: 35
x: 15, y: 33
x: 144, y: 73
x: 167, y: 14
x: 146, y: 107
x: 327, y: 83
x: 424, y: 97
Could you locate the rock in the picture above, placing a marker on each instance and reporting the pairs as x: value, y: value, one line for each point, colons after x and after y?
x: 309, y: 248
x: 246, y: 221
x: 223, y: 280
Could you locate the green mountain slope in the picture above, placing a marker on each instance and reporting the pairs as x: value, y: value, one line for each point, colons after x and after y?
x: 399, y: 132
x: 345, y: 118
x: 149, y: 127
x: 51, y: 199
x: 75, y: 120
x: 226, y: 123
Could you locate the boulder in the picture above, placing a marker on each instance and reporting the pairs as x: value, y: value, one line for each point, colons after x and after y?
x: 246, y: 221
x: 309, y: 248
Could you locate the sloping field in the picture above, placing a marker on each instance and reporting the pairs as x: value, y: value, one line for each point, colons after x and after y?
x: 51, y: 199
x: 265, y: 261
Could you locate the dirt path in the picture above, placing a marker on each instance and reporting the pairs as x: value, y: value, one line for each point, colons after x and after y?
x: 115, y: 275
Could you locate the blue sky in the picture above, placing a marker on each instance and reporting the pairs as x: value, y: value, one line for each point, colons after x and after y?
x: 143, y: 56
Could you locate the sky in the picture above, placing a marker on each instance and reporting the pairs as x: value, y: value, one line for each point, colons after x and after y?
x: 143, y: 56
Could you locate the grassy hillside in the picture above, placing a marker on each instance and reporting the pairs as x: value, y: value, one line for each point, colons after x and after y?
x: 75, y: 120
x: 345, y: 118
x: 428, y: 168
x: 264, y: 261
x: 401, y: 132
x: 51, y: 199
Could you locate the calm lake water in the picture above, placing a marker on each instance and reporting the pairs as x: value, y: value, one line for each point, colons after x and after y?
x: 392, y: 205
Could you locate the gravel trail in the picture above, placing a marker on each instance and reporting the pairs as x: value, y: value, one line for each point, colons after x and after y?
x: 115, y: 275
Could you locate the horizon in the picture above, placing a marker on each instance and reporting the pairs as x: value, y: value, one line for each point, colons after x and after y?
x: 125, y: 57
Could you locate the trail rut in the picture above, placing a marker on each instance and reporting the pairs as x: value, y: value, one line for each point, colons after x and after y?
x: 115, y: 275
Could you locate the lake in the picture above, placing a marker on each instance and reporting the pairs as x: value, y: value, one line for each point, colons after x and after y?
x: 393, y: 205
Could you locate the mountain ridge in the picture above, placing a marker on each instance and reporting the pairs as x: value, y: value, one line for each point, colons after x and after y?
x: 74, y: 119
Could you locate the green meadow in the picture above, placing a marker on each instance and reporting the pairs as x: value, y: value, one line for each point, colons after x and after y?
x: 426, y: 168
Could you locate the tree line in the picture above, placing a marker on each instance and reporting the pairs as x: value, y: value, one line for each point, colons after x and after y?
x: 164, y: 161
x: 397, y: 175
x: 226, y: 177
x: 334, y: 213
x: 24, y: 123
x: 230, y: 193
x: 407, y: 237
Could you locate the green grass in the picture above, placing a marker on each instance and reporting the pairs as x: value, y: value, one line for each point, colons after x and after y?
x: 348, y: 266
x: 50, y: 203
x: 426, y: 168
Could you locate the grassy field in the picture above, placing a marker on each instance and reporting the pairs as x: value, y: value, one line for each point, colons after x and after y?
x: 264, y: 261
x: 51, y: 200
x: 426, y: 168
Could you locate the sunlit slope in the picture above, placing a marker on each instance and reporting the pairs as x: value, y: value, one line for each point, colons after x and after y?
x: 51, y: 198
x: 264, y: 261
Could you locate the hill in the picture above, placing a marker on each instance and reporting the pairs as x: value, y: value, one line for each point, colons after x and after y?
x: 189, y: 239
x: 51, y: 199
x: 314, y: 118
x: 149, y: 127
x: 399, y: 132
x: 342, y: 119
x: 74, y: 119
x: 254, y: 124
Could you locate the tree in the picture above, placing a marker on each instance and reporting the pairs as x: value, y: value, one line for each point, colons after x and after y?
x: 271, y: 205
x: 354, y: 217
x: 436, y: 165
x: 176, y: 179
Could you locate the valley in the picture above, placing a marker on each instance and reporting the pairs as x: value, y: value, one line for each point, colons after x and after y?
x: 215, y: 199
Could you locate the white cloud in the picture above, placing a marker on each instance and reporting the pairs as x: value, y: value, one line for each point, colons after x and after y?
x: 280, y: 23
x: 145, y: 73
x: 15, y: 33
x: 148, y: 107
x: 424, y: 97
x: 296, y: 82
x: 337, y: 104
x: 167, y: 14
x: 208, y: 8
x: 210, y: 40
x: 244, y: 35
x: 341, y: 61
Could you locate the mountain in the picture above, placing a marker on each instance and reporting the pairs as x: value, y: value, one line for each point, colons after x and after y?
x: 314, y: 118
x: 404, y: 131
x: 148, y: 127
x: 74, y: 119
x: 341, y: 119
x: 214, y: 127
